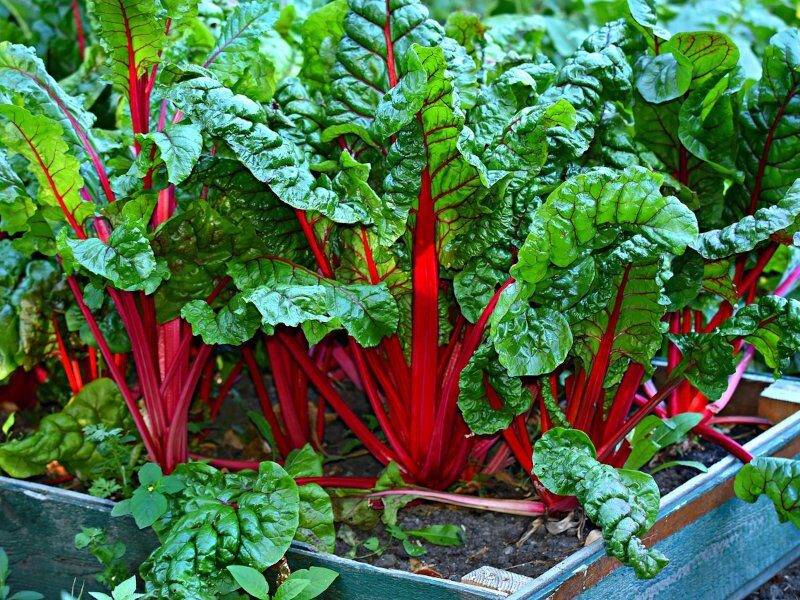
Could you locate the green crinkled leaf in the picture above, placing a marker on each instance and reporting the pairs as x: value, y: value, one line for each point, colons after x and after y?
x: 322, y: 31
x: 769, y: 123
x: 12, y: 264
x: 474, y: 285
x: 482, y: 372
x: 360, y: 75
x: 247, y: 207
x: 197, y: 244
x: 271, y: 158
x: 523, y: 144
x: 638, y: 333
x: 466, y: 28
x: 603, y: 207
x: 513, y: 33
x: 288, y: 294
x: 686, y: 280
x: 708, y: 362
x: 179, y: 146
x: 776, y: 478
x: 16, y: 206
x: 596, y: 74
x: 749, y: 231
x: 771, y: 325
x: 707, y: 127
x: 23, y: 75
x: 237, y: 59
x: 557, y: 416
x: 390, y: 269
x: 530, y: 341
x: 301, y: 108
x: 563, y: 288
x: 514, y: 90
x: 226, y: 519
x: 428, y: 164
x: 717, y: 280
x: 235, y: 323
x: 127, y: 261
x: 60, y: 435
x: 624, y: 504
x: 401, y: 103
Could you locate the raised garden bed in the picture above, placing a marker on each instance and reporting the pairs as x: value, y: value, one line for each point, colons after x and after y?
x: 481, y: 227
x: 742, y: 545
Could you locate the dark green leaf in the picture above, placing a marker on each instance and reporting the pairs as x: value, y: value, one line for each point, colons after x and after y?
x: 60, y: 435
x: 440, y: 535
x: 653, y: 434
x: 482, y: 373
x: 251, y: 581
x: 776, y: 478
x: 623, y: 503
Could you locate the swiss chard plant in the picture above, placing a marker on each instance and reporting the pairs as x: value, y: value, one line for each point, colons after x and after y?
x: 414, y: 172
x: 729, y: 144
x: 43, y: 331
x: 488, y: 228
x: 108, y: 191
x: 723, y: 144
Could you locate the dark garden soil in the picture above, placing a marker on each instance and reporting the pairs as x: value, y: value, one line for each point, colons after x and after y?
x: 784, y: 586
x: 694, y: 450
x: 523, y: 545
x: 518, y: 544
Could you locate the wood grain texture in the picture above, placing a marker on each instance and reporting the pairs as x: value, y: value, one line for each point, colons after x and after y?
x: 719, y: 547
x: 38, y: 526
x: 780, y: 400
x: 496, y: 579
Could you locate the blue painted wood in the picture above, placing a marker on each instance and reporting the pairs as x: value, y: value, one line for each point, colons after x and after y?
x: 719, y: 547
x: 38, y: 524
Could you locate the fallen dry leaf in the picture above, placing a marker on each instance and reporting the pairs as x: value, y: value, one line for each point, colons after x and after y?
x: 535, y: 526
x: 555, y: 527
x: 232, y: 439
x: 593, y: 536
x: 423, y: 569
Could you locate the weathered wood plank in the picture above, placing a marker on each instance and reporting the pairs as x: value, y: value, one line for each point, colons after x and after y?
x: 38, y: 525
x: 779, y: 400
